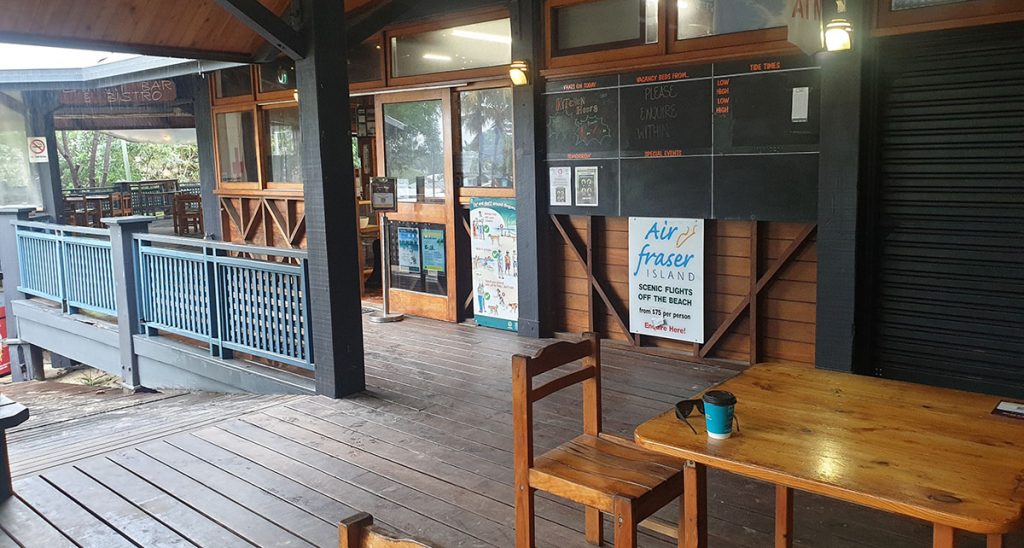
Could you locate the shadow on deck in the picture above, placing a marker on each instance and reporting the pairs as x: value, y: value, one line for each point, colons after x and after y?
x: 426, y: 450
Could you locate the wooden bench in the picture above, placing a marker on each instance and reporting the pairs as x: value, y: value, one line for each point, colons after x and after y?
x: 359, y: 531
x: 11, y: 414
x: 604, y: 473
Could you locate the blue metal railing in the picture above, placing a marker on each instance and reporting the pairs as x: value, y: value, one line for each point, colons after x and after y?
x: 71, y: 265
x: 256, y: 305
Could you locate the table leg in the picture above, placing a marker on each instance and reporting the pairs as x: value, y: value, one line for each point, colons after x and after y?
x: 994, y: 541
x: 783, y: 517
x: 943, y: 536
x: 694, y: 525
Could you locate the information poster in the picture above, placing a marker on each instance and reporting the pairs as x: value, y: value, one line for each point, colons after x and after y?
x: 666, y: 278
x: 433, y: 249
x: 495, y: 262
x: 586, y: 186
x: 409, y: 249
x: 561, y: 185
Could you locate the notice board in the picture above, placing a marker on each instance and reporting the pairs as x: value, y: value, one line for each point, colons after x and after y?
x: 735, y: 140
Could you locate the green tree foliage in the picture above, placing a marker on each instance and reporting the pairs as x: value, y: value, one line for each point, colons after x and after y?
x: 92, y: 159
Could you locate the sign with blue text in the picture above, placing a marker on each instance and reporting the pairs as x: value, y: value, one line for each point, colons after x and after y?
x: 666, y: 278
x: 495, y: 263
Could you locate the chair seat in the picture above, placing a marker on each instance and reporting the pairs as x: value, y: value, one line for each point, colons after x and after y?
x: 596, y: 470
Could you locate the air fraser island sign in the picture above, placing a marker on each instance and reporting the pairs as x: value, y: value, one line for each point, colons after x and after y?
x: 666, y: 278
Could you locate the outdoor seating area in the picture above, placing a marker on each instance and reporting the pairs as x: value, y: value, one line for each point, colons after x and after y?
x: 86, y: 207
x: 427, y: 450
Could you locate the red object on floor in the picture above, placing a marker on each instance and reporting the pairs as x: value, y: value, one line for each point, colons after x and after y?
x: 5, y: 355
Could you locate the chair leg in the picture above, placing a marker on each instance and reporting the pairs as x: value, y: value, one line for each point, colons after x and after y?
x: 625, y: 524
x: 594, y: 527
x: 524, y: 518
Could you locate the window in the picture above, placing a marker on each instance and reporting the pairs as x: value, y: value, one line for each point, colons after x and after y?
x: 417, y: 257
x: 486, y: 153
x: 17, y: 184
x: 414, y: 149
x: 277, y: 75
x: 364, y: 62
x: 605, y: 24
x: 233, y: 82
x: 912, y: 4
x: 236, y: 147
x: 479, y: 45
x: 281, y: 140
x: 697, y: 18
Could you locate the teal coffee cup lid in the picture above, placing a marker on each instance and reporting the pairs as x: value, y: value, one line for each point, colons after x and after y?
x: 720, y: 397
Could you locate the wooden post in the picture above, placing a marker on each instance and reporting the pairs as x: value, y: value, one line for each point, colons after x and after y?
x: 783, y: 517
x: 26, y: 360
x: 207, y: 170
x: 40, y: 106
x: 943, y: 536
x: 122, y: 251
x: 535, y: 310
x: 694, y: 526
x: 328, y: 183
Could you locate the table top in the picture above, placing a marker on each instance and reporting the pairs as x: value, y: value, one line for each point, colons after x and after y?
x: 932, y: 453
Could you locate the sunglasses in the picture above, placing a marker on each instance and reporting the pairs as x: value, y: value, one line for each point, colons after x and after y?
x: 685, y: 408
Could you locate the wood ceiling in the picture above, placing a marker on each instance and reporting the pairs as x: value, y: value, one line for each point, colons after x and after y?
x: 175, y: 28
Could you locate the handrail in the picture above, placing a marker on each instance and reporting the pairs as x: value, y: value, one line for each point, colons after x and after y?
x: 62, y: 228
x: 210, y: 244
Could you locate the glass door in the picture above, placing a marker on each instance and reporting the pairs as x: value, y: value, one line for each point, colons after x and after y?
x: 415, y: 135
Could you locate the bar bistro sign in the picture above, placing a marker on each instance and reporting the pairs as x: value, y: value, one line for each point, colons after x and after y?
x: 666, y: 278
x: 135, y: 93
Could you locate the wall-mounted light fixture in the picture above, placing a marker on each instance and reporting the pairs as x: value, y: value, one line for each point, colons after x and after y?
x: 839, y: 31
x: 519, y: 72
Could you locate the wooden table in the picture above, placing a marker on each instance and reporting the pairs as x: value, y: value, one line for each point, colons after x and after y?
x: 919, y: 451
x: 11, y: 414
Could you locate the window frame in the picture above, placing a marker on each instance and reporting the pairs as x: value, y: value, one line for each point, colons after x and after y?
x: 236, y: 100
x: 265, y: 151
x: 554, y: 60
x: 279, y: 95
x: 256, y: 184
x: 381, y: 81
x: 479, y: 16
x: 746, y: 38
x: 467, y: 192
x: 887, y: 22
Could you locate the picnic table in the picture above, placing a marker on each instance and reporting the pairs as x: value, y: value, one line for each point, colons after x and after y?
x: 930, y: 453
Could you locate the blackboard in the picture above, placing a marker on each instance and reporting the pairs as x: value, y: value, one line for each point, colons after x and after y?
x: 583, y: 124
x: 734, y: 140
x: 666, y: 119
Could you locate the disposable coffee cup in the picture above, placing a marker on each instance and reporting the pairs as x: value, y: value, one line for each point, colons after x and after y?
x: 719, y: 407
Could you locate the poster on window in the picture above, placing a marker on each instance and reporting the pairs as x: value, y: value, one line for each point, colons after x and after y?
x: 666, y: 278
x: 409, y: 249
x: 495, y: 263
x: 433, y: 249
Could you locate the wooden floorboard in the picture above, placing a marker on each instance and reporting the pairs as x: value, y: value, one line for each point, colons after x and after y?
x: 426, y: 450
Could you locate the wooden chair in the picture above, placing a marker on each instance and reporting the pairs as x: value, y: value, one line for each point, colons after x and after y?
x: 605, y: 473
x: 188, y: 213
x: 359, y: 531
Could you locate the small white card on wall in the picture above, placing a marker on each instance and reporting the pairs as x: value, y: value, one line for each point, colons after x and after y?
x: 801, y: 98
x: 586, y: 186
x: 560, y: 179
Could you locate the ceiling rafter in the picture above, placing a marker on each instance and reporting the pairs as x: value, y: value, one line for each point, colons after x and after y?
x: 268, y: 25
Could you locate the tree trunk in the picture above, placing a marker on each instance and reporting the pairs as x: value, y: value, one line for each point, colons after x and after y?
x: 65, y: 153
x: 93, y: 148
x: 107, y: 141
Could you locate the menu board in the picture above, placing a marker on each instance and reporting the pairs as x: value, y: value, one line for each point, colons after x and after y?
x: 764, y: 113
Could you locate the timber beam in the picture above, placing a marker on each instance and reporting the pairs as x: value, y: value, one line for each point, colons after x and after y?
x: 264, y: 22
x: 370, y: 22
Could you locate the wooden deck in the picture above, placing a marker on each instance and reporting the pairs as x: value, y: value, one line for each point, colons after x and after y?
x: 426, y: 450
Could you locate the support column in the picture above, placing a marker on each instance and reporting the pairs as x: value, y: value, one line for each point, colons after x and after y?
x: 328, y: 182
x: 535, y: 310
x: 838, y: 181
x: 122, y: 231
x: 39, y: 121
x: 207, y: 169
x: 26, y: 360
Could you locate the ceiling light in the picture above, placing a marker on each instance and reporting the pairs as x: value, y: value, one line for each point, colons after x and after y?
x: 486, y: 37
x: 436, y: 57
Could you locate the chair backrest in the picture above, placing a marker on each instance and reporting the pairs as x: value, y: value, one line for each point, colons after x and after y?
x: 359, y: 531
x: 524, y: 394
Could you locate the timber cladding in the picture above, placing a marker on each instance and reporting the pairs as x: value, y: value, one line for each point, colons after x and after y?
x: 264, y: 220
x: 782, y: 275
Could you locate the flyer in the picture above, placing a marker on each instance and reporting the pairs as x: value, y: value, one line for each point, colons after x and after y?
x: 432, y: 240
x: 666, y: 278
x: 495, y: 262
x: 560, y: 179
x: 409, y: 249
x: 586, y: 186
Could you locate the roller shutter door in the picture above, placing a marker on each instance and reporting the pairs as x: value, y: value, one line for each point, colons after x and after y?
x: 948, y: 211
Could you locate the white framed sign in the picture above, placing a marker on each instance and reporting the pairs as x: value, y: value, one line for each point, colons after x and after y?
x: 586, y: 186
x: 666, y: 278
x: 560, y: 180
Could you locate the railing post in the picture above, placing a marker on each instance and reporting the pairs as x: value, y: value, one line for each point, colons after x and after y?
x: 26, y: 360
x: 217, y: 306
x: 126, y: 286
